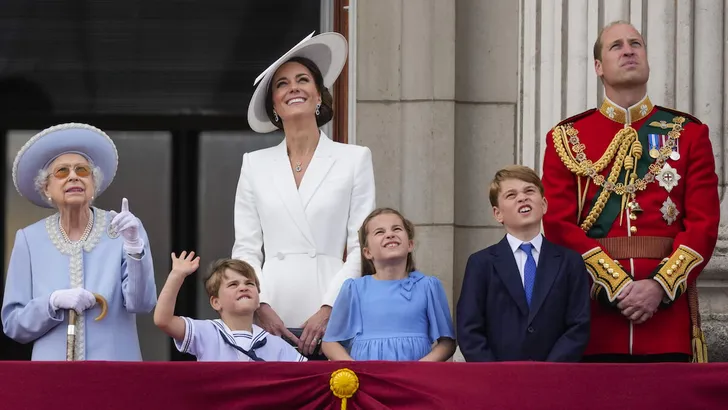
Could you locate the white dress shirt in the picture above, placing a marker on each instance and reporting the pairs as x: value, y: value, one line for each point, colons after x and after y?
x: 520, y: 255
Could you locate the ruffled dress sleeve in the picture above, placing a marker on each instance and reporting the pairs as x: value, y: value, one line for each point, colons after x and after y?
x: 438, y: 312
x: 345, y: 322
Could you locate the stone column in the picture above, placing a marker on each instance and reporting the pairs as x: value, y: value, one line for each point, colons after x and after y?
x: 486, y: 91
x: 405, y: 115
x: 688, y: 72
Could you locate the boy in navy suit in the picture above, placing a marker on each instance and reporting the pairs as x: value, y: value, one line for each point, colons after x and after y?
x: 524, y: 298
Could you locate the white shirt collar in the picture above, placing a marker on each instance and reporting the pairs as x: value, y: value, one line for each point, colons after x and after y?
x: 515, y: 243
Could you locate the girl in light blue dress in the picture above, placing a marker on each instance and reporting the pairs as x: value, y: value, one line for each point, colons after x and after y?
x: 392, y: 312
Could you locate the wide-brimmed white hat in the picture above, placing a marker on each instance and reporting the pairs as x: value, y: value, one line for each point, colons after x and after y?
x: 49, y: 144
x: 327, y: 50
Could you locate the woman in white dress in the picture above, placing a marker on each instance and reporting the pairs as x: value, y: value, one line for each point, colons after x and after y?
x: 299, y: 205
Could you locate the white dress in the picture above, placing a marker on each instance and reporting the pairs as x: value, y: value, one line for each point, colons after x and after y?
x: 295, y: 239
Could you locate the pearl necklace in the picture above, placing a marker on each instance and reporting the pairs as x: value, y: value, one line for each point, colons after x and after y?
x: 86, y: 232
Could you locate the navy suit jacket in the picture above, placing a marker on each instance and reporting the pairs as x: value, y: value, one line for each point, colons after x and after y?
x: 494, y: 321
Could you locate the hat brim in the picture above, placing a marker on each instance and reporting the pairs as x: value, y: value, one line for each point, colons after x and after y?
x: 328, y: 51
x: 61, y: 139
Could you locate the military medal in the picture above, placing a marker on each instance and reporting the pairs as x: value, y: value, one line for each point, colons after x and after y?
x: 654, y: 145
x: 675, y: 154
x: 668, y: 177
x: 669, y: 211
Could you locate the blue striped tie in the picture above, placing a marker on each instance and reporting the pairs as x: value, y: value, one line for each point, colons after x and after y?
x: 529, y: 271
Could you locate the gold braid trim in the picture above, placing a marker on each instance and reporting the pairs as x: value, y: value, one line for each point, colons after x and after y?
x: 673, y: 274
x: 582, y: 167
x: 606, y: 273
x: 579, y: 165
x: 621, y: 144
x: 612, y: 179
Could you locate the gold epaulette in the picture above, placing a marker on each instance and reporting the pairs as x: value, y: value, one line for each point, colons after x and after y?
x: 606, y: 272
x: 576, y: 117
x: 673, y: 274
x: 679, y: 114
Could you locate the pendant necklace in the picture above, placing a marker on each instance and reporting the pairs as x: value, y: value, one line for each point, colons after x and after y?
x: 299, y: 165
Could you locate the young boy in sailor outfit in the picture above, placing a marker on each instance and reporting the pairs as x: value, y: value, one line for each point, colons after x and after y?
x: 233, y: 290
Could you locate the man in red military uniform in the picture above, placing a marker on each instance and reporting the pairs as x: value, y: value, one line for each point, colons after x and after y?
x: 632, y: 186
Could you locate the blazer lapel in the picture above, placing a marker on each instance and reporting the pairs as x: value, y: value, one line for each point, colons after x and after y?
x: 546, y: 272
x: 317, y: 170
x: 286, y: 187
x: 507, y: 270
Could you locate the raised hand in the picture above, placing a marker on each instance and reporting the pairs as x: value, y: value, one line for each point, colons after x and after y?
x: 127, y: 225
x: 185, y: 264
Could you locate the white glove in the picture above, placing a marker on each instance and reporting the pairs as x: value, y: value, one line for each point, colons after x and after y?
x: 78, y: 299
x: 127, y: 225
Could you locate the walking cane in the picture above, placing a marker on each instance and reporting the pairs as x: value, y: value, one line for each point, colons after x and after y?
x: 71, y: 334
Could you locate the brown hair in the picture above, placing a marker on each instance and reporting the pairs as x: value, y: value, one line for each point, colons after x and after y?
x: 367, y: 267
x: 598, y: 44
x: 326, y: 111
x: 217, y: 269
x: 519, y: 172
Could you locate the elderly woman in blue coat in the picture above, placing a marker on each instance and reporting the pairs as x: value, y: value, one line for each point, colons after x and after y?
x: 60, y: 263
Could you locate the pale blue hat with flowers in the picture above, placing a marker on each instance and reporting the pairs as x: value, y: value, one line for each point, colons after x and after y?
x: 47, y: 145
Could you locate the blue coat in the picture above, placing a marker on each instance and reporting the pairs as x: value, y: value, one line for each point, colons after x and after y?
x: 494, y: 321
x: 42, y: 262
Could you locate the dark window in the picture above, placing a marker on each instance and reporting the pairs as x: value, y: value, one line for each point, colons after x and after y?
x: 170, y: 82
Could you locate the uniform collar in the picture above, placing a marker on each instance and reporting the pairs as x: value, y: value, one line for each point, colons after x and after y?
x: 630, y: 115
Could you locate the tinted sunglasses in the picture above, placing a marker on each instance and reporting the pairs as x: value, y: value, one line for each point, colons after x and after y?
x: 80, y: 170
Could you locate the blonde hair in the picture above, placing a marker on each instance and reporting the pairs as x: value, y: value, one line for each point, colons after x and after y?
x: 519, y: 172
x: 367, y: 267
x: 217, y: 269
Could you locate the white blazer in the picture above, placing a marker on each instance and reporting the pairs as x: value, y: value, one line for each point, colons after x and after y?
x: 303, y: 232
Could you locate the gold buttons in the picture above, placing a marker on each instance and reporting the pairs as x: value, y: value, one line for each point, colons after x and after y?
x: 601, y: 261
x: 678, y: 262
x: 673, y: 267
x: 633, y: 229
x: 606, y: 266
x: 632, y: 216
x: 669, y: 272
x: 610, y: 271
x: 681, y: 257
x: 615, y: 275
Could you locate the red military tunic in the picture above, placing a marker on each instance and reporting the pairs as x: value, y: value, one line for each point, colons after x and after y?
x: 675, y: 199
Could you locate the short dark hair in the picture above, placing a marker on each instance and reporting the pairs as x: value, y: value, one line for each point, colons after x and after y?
x: 327, y: 100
